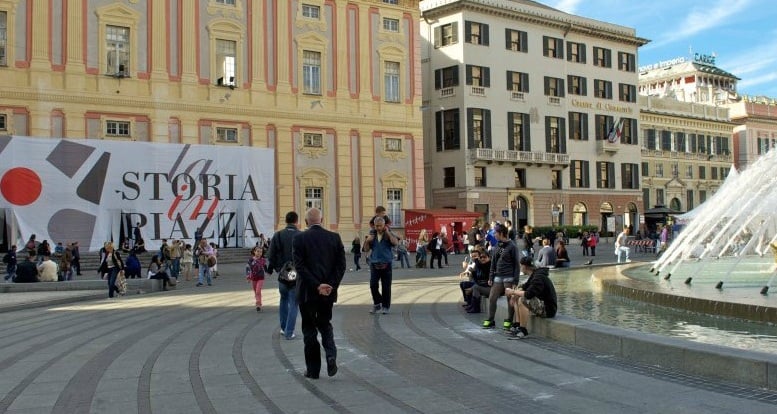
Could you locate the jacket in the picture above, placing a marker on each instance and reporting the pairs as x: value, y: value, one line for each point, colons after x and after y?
x: 540, y: 286
x: 280, y: 250
x: 319, y: 257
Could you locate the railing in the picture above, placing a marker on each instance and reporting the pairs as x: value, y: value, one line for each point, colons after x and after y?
x: 478, y: 91
x: 606, y: 146
x: 501, y: 155
x: 447, y: 92
x: 554, y: 100
x: 517, y: 96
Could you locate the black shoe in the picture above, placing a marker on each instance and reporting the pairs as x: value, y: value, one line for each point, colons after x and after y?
x: 331, y: 367
x: 311, y: 376
x: 258, y: 309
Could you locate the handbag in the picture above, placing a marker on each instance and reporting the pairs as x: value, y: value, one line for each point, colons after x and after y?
x: 121, y: 283
x: 288, y: 273
x: 211, y: 261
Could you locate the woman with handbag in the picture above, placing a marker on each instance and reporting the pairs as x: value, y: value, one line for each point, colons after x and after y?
x: 110, y: 267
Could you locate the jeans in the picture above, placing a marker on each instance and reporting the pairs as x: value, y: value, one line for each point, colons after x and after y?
x: 622, y: 251
x: 356, y: 258
x: 288, y: 308
x: 176, y: 268
x: 113, y: 272
x: 11, y: 269
x: 404, y: 258
x: 204, y: 275
x: 384, y: 276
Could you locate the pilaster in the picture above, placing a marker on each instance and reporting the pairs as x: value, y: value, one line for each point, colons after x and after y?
x: 345, y: 188
x: 160, y: 83
x: 283, y: 47
x: 189, y: 45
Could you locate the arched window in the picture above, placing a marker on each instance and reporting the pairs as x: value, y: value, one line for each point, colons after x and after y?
x: 579, y: 214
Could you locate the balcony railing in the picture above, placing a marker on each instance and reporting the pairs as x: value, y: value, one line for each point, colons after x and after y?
x: 447, y: 92
x: 691, y: 156
x: 603, y: 146
x: 554, y: 100
x: 525, y: 157
x: 517, y: 96
x: 478, y: 91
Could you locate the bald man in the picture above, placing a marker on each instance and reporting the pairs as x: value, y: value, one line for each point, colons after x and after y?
x: 319, y: 259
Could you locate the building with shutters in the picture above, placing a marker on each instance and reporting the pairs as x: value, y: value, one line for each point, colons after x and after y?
x: 520, y: 112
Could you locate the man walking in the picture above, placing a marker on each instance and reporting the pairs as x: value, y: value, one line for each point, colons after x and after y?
x: 319, y: 259
x: 380, y: 246
x: 10, y: 264
x: 621, y: 248
x: 280, y: 258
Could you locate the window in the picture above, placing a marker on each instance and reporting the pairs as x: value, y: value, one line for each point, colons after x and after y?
x: 391, y: 25
x: 394, y: 206
x: 449, y: 177
x: 603, y: 125
x: 476, y: 33
x: 117, y: 129
x: 576, y: 52
x: 226, y: 134
x: 518, y: 138
x: 226, y: 52
x: 117, y: 44
x: 666, y: 140
x: 446, y: 77
x: 391, y: 1
x: 520, y: 178
x: 555, y: 179
x: 447, y: 130
x: 393, y: 144
x: 605, y: 174
x: 578, y: 174
x: 3, y: 123
x: 578, y: 126
x: 629, y: 131
x: 554, y: 87
x: 391, y: 80
x: 314, y: 198
x: 650, y: 135
x: 659, y: 169
x: 645, y: 169
x: 627, y: 93
x: 627, y: 62
x: 516, y: 40
x: 478, y: 128
x: 552, y: 47
x: 311, y: 72
x: 480, y: 176
x: 630, y: 176
x: 517, y: 81
x: 702, y: 196
x: 646, y: 198
x: 555, y: 139
x: 314, y: 12
x: 602, y: 57
x: 447, y: 34
x: 689, y: 171
x: 689, y: 199
x: 227, y: 2
x: 313, y: 140
x: 478, y: 76
x: 714, y: 173
x: 602, y: 89
x: 577, y: 85
x: 3, y: 38
x: 660, y: 196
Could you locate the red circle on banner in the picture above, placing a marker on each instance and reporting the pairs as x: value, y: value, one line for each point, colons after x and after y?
x: 20, y: 186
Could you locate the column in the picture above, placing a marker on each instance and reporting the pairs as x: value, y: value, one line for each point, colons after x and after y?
x: 40, y: 36
x: 283, y: 46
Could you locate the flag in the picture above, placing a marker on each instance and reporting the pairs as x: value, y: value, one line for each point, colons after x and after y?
x: 615, y: 132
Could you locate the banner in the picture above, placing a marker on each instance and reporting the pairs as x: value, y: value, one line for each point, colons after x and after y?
x: 92, y: 191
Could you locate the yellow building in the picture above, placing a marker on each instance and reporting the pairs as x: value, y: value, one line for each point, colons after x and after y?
x: 334, y: 87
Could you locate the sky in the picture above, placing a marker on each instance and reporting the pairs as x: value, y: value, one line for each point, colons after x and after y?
x: 742, y: 34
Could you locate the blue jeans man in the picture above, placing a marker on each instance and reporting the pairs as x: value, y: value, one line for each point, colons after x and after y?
x: 204, y: 275
x: 11, y: 269
x: 404, y: 258
x: 176, y: 267
x: 381, y: 298
x: 288, y: 308
x: 113, y: 272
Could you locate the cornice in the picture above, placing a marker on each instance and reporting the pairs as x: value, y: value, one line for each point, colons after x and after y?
x: 149, y: 105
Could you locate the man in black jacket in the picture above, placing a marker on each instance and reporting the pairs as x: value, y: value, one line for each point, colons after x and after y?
x: 319, y: 259
x: 279, y: 256
x: 27, y: 271
x: 535, y: 297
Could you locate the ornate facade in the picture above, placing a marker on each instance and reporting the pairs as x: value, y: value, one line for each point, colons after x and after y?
x: 333, y: 87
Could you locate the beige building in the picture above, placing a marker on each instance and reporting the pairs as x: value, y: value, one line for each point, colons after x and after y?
x: 518, y: 108
x: 686, y: 151
x: 334, y: 87
x: 755, y: 132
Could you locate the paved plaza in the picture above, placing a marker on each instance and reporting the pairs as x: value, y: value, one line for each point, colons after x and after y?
x: 206, y: 349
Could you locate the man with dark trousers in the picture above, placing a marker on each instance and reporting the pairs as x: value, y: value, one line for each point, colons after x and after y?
x: 379, y: 246
x: 319, y: 259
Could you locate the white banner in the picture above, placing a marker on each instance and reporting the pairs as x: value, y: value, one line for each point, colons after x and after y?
x: 92, y: 191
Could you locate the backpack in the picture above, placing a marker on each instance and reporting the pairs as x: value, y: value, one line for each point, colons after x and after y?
x: 7, y: 258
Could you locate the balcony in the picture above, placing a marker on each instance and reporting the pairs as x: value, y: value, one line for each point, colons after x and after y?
x: 478, y: 91
x: 554, y: 100
x: 447, y: 92
x: 518, y: 157
x: 517, y: 96
x: 606, y: 147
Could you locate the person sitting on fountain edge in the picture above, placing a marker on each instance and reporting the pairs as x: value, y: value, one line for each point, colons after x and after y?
x: 535, y: 297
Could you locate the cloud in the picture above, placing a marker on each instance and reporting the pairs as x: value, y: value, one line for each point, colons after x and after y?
x: 568, y: 6
x: 750, y: 82
x: 701, y: 19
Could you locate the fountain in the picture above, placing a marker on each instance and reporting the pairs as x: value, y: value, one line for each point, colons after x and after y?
x: 732, y: 234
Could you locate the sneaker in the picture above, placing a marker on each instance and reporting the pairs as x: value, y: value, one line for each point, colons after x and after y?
x: 198, y: 284
x: 628, y: 261
x: 375, y: 309
x: 488, y: 324
x: 283, y: 333
x: 289, y: 338
x: 507, y: 324
x: 385, y: 311
x: 522, y: 333
x: 258, y: 308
